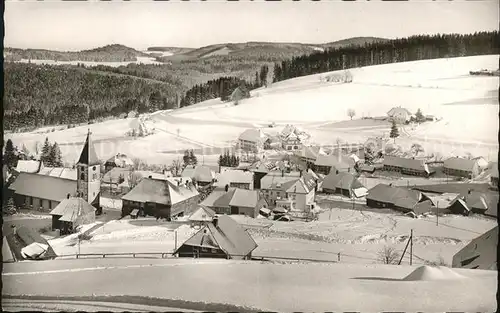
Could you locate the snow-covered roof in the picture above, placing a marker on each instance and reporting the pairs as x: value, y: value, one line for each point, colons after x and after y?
x: 28, y: 166
x: 253, y: 135
x: 461, y: 164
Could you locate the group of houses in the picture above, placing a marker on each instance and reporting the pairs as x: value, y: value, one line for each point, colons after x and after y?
x: 290, y: 138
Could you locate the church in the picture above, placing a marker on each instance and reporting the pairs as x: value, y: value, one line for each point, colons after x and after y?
x: 47, y: 193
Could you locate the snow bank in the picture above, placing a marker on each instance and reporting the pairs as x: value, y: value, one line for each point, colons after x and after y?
x: 427, y: 273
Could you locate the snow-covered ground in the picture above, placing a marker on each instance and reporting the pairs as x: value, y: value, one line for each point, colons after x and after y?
x: 269, y: 287
x: 441, y: 87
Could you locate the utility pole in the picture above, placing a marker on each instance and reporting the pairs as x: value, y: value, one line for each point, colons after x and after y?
x: 437, y: 213
x: 411, y: 247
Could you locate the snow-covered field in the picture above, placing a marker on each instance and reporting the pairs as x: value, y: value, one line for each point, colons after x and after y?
x: 140, y: 60
x: 269, y: 287
x: 441, y: 87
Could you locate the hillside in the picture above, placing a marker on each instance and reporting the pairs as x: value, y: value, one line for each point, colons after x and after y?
x: 109, y: 53
x: 354, y: 41
x: 173, y: 50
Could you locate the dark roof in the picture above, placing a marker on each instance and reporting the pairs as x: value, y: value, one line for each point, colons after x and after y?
x: 70, y: 209
x: 341, y: 180
x: 413, y: 164
x: 228, y: 235
x: 461, y: 164
x: 43, y: 187
x: 29, y: 236
x: 88, y: 155
x: 453, y: 188
x: 389, y: 194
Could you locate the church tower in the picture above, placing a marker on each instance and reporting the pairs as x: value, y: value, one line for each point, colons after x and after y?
x: 89, y: 174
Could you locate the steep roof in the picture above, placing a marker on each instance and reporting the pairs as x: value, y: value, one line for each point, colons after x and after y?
x: 388, y: 194
x: 460, y: 164
x: 480, y: 253
x: 341, y: 180
x: 63, y: 172
x: 245, y: 198
x: 70, y: 209
x: 228, y: 235
x: 43, y: 187
x: 413, y: 164
x: 212, y: 197
x: 200, y: 173
x: 160, y: 191
x: 203, y: 214
x: 234, y: 176
x: 398, y: 110
x: 281, y: 183
x: 253, y: 135
x: 28, y: 166
x: 88, y: 155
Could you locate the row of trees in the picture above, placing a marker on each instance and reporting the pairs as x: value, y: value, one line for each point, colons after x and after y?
x: 399, y: 50
x: 217, y: 88
x: 229, y: 160
x: 51, y: 154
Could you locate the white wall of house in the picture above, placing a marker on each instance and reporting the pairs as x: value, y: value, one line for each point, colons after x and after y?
x: 302, y: 201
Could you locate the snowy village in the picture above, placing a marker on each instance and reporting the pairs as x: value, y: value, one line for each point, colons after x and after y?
x: 356, y: 173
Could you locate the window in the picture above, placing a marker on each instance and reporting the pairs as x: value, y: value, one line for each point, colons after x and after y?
x: 93, y: 168
x: 82, y: 176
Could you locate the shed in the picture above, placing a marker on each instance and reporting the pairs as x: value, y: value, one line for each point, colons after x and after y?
x: 71, y: 213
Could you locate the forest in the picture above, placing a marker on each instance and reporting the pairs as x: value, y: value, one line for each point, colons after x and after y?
x: 399, y: 50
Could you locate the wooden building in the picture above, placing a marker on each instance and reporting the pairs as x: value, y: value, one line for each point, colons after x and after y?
x: 414, y: 167
x: 345, y: 184
x: 71, y: 213
x: 235, y: 201
x: 161, y: 198
x: 461, y: 167
x: 223, y: 238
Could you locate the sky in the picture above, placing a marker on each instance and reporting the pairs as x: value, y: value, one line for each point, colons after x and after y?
x: 140, y: 24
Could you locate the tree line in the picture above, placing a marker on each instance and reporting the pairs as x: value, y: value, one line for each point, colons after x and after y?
x: 413, y: 48
x: 35, y: 96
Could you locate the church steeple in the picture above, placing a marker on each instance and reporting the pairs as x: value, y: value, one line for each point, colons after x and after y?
x: 88, y: 155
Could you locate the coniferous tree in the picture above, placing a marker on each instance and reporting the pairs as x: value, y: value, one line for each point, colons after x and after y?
x: 419, y: 117
x: 394, y: 131
x: 193, y: 159
x: 186, y: 158
x: 45, y: 158
x: 10, y: 156
x: 55, y: 155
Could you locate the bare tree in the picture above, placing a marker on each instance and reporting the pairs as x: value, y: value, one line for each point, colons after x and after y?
x: 351, y: 113
x: 176, y: 168
x: 133, y: 179
x: 416, y: 148
x: 388, y: 255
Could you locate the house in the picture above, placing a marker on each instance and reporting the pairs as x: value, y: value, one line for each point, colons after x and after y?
x: 28, y: 166
x: 161, y: 198
x: 387, y: 196
x: 235, y: 201
x: 345, y: 184
x: 203, y: 175
x: 236, y: 179
x: 71, y: 213
x: 461, y: 167
x: 291, y: 138
x: 494, y: 175
x: 470, y: 202
x: 223, y: 238
x: 259, y: 170
x: 480, y: 253
x: 296, y: 192
x: 41, y: 191
x: 202, y: 215
x: 118, y: 160
x: 400, y: 115
x: 324, y: 164
x: 309, y: 154
x: 253, y: 140
x: 407, y: 166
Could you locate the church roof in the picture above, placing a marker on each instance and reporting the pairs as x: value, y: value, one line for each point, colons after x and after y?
x: 88, y: 155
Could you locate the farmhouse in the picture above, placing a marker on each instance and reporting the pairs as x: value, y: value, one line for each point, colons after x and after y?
x: 325, y: 164
x: 407, y: 166
x: 253, y: 140
x: 480, y: 253
x: 161, y: 198
x: 386, y: 196
x: 309, y: 154
x: 461, y: 167
x: 345, y: 184
x: 71, y: 213
x: 202, y: 215
x: 236, y: 179
x: 118, y: 160
x: 223, y: 238
x: 235, y: 201
x: 399, y: 114
x: 203, y: 175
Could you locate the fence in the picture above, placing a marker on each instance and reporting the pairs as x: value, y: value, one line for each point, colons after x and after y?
x: 164, y: 255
